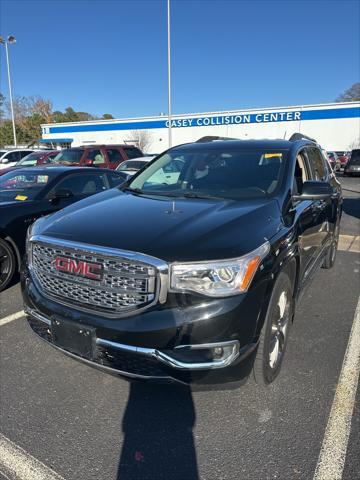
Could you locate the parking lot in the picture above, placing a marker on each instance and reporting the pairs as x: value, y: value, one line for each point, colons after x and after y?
x: 62, y: 419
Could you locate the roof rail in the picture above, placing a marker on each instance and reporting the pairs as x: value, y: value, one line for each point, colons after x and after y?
x: 210, y: 138
x: 300, y: 136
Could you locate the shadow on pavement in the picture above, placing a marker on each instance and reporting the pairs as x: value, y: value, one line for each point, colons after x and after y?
x: 158, y: 434
x: 351, y: 206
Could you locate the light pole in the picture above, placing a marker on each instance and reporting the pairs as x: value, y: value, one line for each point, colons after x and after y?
x: 169, y: 74
x: 11, y: 39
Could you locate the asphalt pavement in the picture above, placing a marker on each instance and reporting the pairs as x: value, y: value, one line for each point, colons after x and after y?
x: 84, y: 424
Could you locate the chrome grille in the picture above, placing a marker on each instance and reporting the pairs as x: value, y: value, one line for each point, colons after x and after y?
x: 126, y: 284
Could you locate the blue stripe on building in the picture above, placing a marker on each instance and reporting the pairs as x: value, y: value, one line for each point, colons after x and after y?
x: 219, y: 120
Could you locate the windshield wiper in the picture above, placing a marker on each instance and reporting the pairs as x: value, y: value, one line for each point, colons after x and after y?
x: 133, y: 190
x: 202, y: 195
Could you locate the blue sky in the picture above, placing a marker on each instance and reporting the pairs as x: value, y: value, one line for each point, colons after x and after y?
x: 110, y: 56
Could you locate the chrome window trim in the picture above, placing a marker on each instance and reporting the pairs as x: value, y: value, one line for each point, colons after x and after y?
x: 162, y: 272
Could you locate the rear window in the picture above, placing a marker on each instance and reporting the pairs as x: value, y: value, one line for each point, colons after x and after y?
x: 133, y: 152
x: 30, y: 160
x: 70, y: 156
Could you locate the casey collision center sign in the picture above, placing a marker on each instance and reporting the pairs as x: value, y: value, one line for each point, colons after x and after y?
x: 209, y: 120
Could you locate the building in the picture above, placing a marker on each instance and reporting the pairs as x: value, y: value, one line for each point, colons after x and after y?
x: 336, y: 126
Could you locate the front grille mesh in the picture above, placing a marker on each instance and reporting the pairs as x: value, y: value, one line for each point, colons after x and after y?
x: 125, y: 285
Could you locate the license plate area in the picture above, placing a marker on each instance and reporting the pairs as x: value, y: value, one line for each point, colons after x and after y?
x: 73, y: 337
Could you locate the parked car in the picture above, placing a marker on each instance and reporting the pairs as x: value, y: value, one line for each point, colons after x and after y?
x: 130, y: 167
x: 344, y: 158
x: 9, y: 158
x: 38, y: 157
x: 187, y: 281
x: 104, y: 156
x: 334, y: 161
x: 352, y: 167
x: 28, y: 193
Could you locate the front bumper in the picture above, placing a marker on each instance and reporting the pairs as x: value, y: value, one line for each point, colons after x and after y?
x: 168, y: 343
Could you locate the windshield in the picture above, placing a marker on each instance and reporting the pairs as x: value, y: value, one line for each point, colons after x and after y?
x: 2, y: 152
x: 31, y: 159
x: 131, y: 165
x: 355, y: 158
x: 70, y: 156
x: 22, y: 185
x: 227, y: 173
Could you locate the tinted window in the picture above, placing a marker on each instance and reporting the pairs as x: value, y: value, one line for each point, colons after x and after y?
x: 23, y: 153
x: 225, y: 173
x: 116, y: 178
x: 96, y: 156
x: 70, y: 156
x: 317, y: 164
x: 22, y: 185
x: 133, y: 152
x: 13, y: 157
x: 355, y: 158
x: 114, y: 156
x: 82, y: 184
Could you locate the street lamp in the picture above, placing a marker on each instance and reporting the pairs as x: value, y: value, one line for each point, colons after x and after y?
x: 169, y: 73
x: 11, y: 39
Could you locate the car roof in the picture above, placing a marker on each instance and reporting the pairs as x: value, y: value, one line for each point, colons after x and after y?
x: 63, y: 169
x: 245, y: 144
x: 98, y: 145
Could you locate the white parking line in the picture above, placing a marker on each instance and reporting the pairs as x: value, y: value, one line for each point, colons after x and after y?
x: 15, y: 462
x: 333, y: 450
x: 12, y: 317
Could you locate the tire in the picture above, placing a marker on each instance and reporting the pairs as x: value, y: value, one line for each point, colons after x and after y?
x: 330, y: 256
x: 7, y: 264
x: 275, y: 332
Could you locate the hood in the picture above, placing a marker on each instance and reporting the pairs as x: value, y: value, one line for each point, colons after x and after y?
x: 11, y: 203
x: 173, y: 230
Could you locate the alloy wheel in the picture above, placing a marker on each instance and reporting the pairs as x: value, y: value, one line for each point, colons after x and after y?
x: 279, y: 328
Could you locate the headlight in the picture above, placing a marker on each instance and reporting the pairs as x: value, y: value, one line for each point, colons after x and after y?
x: 218, y: 279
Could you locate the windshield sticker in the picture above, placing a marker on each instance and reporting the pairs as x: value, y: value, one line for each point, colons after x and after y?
x: 271, y: 155
x: 21, y: 197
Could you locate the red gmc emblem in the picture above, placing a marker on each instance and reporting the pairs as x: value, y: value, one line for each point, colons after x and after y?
x: 79, y: 267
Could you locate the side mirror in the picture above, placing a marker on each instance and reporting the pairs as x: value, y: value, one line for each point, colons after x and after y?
x: 315, y: 190
x: 60, y: 194
x: 5, y: 160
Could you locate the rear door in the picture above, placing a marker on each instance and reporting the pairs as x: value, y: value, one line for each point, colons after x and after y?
x: 114, y: 157
x: 94, y: 157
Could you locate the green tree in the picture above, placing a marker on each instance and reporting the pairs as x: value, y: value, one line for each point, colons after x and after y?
x: 2, y: 103
x: 107, y: 116
x: 352, y: 94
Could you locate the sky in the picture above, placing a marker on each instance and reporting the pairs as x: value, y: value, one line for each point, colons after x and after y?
x: 110, y: 56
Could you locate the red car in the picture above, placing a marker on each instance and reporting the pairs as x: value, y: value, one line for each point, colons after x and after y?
x: 104, y: 156
x: 33, y: 159
x: 344, y: 158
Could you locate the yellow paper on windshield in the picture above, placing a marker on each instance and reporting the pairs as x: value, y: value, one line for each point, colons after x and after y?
x: 271, y: 155
x: 21, y: 197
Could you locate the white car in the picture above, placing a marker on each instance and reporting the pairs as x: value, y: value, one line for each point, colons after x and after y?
x: 9, y: 158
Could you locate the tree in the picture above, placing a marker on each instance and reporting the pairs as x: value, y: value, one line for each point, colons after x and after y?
x: 352, y: 94
x: 2, y: 103
x: 142, y: 138
x: 107, y: 116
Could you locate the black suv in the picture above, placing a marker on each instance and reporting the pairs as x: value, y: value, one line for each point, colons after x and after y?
x: 191, y: 269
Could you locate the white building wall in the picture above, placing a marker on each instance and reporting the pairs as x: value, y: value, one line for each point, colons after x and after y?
x: 341, y: 132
